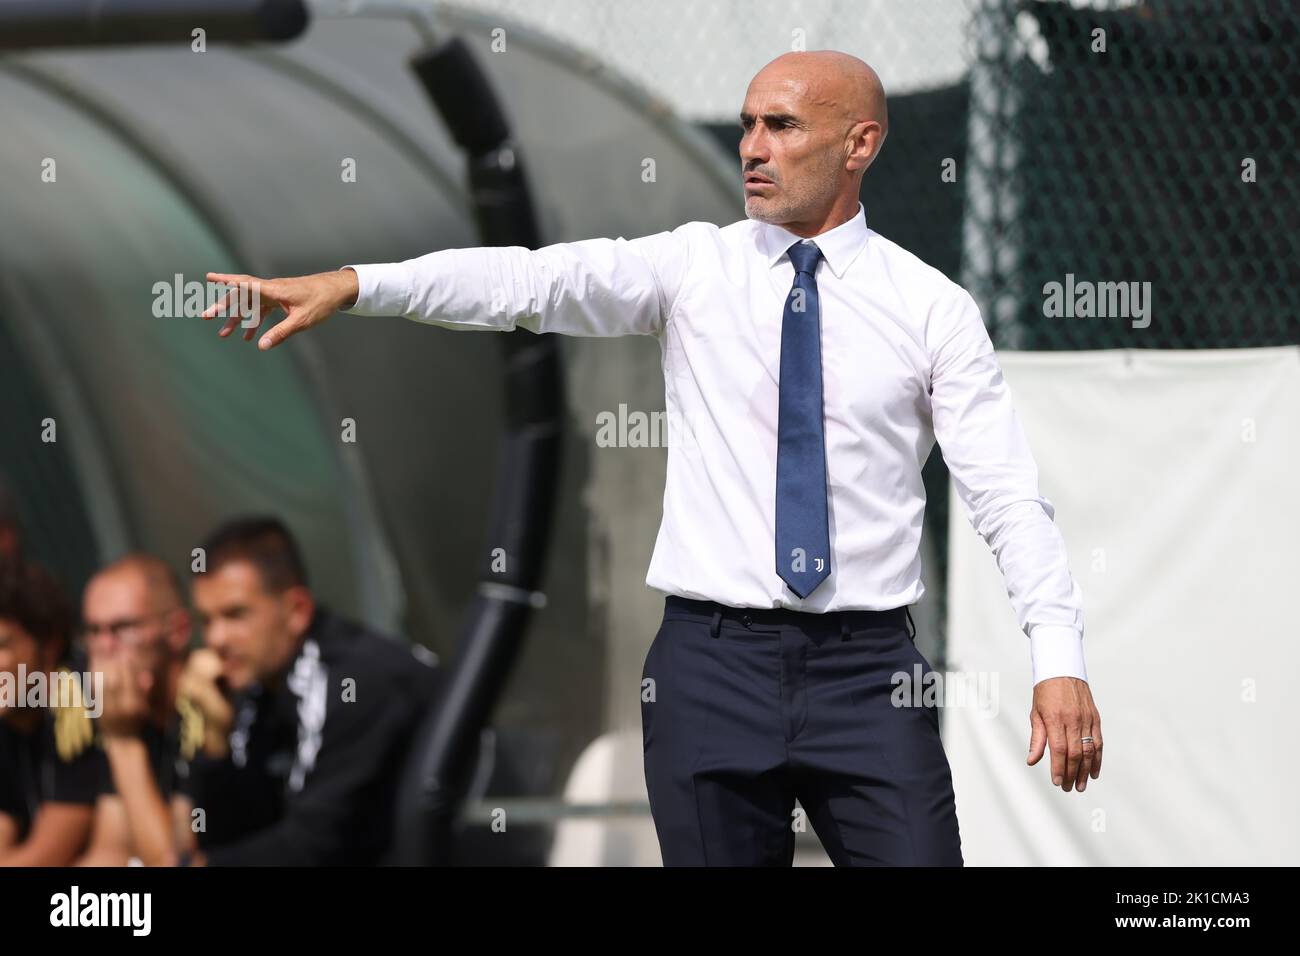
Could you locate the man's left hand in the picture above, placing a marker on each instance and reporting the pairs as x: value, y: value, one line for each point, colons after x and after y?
x: 1063, y: 714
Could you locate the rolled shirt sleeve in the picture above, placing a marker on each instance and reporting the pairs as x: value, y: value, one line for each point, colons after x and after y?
x: 593, y: 287
x: 996, y: 479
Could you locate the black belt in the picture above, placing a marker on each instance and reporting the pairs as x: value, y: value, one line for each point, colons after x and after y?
x: 844, y: 621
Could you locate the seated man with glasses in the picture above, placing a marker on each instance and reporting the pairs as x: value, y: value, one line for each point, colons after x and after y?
x: 48, y: 762
x: 137, y: 630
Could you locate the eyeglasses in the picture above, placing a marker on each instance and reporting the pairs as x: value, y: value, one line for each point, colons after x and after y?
x: 129, y: 630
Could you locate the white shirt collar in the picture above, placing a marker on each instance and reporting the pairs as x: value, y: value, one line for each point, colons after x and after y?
x: 839, y: 246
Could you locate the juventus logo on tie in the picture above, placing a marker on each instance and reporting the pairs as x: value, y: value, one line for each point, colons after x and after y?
x: 799, y: 561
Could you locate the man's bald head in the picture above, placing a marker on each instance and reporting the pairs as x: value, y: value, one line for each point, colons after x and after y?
x: 814, y: 121
x: 158, y: 585
x: 839, y: 84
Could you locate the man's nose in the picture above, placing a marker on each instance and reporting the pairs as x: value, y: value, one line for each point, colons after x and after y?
x: 214, y: 635
x: 753, y: 148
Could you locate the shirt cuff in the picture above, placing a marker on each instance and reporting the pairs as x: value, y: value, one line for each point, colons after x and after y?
x: 1056, y: 651
x: 382, y: 289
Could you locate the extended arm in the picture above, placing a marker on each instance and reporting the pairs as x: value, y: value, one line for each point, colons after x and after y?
x: 593, y: 287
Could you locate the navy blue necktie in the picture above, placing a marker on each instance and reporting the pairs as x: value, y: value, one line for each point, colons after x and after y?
x: 803, y: 549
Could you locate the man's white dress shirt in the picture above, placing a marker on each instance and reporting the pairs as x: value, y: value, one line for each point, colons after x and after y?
x: 905, y: 360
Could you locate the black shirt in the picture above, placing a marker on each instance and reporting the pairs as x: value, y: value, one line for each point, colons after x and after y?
x: 55, y: 763
x: 316, y: 757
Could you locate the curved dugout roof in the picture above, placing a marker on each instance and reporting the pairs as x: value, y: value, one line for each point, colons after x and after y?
x: 171, y: 162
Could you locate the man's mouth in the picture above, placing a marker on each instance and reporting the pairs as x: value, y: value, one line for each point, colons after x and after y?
x: 754, y: 179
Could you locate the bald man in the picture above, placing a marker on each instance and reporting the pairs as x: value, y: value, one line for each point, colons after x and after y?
x: 811, y: 365
x: 137, y: 631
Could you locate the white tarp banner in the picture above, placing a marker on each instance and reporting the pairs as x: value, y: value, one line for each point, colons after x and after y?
x: 1175, y: 476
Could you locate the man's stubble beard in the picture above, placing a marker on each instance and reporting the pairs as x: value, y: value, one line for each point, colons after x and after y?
x: 791, y: 207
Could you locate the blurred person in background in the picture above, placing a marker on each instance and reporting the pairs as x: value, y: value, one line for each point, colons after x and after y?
x: 306, y: 716
x: 48, y: 765
x: 137, y: 631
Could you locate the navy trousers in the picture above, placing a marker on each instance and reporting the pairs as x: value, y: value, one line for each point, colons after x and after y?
x: 745, y: 710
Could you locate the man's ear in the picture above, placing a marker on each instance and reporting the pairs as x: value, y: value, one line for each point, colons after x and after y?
x: 872, y: 133
x: 299, y: 606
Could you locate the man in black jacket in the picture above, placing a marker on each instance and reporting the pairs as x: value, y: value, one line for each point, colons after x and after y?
x: 302, y: 718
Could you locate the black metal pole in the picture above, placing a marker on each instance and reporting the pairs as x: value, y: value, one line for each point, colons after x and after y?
x: 28, y: 24
x: 527, y: 477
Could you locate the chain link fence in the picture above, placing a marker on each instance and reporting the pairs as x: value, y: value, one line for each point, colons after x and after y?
x: 698, y: 55
x: 1131, y: 174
